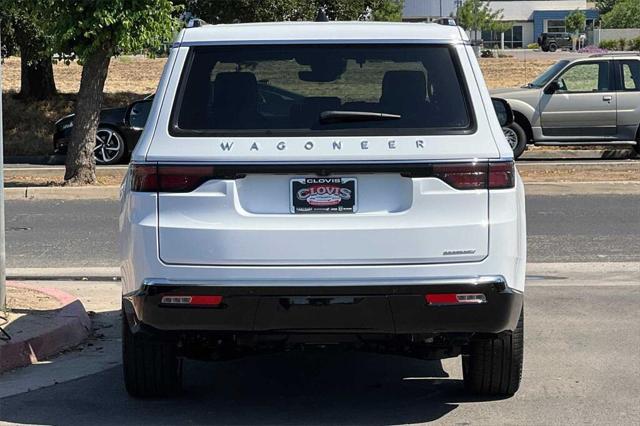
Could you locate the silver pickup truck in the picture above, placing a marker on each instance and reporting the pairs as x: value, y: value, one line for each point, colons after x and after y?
x: 593, y: 100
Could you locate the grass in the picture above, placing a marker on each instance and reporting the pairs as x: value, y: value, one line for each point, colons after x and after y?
x: 28, y: 126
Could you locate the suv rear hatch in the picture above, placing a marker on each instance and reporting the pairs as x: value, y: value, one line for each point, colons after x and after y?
x: 306, y: 155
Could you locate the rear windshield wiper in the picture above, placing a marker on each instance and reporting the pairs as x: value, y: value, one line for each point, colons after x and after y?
x: 351, y: 116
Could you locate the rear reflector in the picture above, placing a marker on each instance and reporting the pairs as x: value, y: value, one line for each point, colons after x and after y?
x: 455, y: 299
x: 192, y: 300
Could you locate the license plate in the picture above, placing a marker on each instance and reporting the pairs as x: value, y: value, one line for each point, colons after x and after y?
x: 323, y: 195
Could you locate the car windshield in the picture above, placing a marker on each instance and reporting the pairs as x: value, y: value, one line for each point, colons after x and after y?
x: 287, y: 90
x: 547, y: 75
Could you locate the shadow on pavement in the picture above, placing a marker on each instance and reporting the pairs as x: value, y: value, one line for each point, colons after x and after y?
x: 290, y: 388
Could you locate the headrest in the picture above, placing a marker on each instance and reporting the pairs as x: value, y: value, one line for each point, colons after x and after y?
x: 234, y: 89
x: 403, y: 88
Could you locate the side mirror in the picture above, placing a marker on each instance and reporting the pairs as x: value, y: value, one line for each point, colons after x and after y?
x: 552, y: 88
x: 137, y: 113
x: 503, y: 111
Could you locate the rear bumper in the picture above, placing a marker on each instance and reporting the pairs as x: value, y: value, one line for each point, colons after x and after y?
x: 398, y: 309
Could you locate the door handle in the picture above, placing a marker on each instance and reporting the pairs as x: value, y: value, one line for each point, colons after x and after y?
x: 607, y: 98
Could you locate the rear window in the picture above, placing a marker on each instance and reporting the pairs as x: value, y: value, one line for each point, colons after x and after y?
x: 294, y: 90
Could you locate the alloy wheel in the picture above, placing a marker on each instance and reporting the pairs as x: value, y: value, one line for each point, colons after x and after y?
x: 109, y: 145
x: 511, y: 135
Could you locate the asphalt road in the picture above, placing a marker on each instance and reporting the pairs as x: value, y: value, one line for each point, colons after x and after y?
x: 582, y: 366
x: 585, y: 228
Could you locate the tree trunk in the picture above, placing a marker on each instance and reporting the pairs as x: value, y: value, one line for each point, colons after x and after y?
x: 81, y: 164
x: 36, y: 77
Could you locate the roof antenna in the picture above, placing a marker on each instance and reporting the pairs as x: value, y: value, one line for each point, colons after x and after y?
x: 322, y: 15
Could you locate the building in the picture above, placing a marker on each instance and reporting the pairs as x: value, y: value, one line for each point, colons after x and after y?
x: 529, y: 18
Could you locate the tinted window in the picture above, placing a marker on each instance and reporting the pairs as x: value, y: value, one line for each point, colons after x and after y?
x: 283, y: 90
x: 548, y: 74
x: 586, y: 77
x: 630, y: 75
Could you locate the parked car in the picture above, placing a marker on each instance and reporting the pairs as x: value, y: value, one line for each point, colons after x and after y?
x: 585, y: 101
x: 116, y: 135
x: 378, y: 208
x: 120, y: 128
x: 550, y: 42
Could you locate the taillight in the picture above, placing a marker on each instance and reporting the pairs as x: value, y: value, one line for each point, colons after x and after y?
x: 476, y: 175
x: 163, y: 178
x: 501, y: 175
x: 463, y: 175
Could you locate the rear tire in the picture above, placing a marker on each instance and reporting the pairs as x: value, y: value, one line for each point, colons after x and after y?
x: 493, y: 366
x: 517, y: 138
x: 151, y: 366
x: 553, y: 47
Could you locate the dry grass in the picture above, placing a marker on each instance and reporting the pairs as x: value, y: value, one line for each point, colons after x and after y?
x: 28, y: 126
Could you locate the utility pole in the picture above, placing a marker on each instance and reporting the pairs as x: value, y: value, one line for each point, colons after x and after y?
x: 3, y: 263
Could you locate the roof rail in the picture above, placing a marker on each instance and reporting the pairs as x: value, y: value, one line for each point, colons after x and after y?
x: 601, y: 55
x: 446, y: 20
x: 195, y: 23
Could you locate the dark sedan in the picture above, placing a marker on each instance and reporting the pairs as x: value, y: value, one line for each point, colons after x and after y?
x: 117, y: 135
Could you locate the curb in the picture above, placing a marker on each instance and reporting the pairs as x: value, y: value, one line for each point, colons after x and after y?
x: 107, y: 192
x: 63, y: 274
x: 69, y: 328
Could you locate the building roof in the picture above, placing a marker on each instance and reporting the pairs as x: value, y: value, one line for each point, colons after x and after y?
x: 291, y: 32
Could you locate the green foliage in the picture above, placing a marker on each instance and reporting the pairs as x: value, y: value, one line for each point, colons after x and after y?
x: 625, y: 14
x: 21, y: 30
x: 533, y: 46
x: 609, y: 44
x: 634, y: 44
x: 619, y: 44
x: 576, y: 21
x: 477, y: 15
x: 81, y: 27
x: 230, y: 11
x: 604, y: 6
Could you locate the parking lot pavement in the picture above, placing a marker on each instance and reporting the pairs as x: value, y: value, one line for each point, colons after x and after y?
x: 582, y: 365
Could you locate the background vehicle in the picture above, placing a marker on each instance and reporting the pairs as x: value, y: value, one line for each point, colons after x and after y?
x: 116, y: 136
x: 585, y: 101
x: 355, y: 210
x: 120, y: 128
x: 550, y: 42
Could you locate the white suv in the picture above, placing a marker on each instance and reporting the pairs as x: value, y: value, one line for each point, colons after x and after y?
x: 317, y: 184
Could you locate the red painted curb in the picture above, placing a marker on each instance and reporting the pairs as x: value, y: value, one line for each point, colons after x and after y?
x: 69, y: 328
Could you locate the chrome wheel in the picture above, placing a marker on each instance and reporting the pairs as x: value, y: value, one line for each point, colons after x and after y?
x: 109, y: 146
x: 512, y: 136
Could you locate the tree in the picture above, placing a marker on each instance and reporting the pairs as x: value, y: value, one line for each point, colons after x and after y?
x: 94, y: 31
x: 476, y: 15
x: 229, y: 11
x: 605, y: 6
x: 624, y: 14
x: 20, y: 21
x: 576, y: 21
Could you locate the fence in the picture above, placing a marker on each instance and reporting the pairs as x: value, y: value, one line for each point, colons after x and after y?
x: 598, y: 35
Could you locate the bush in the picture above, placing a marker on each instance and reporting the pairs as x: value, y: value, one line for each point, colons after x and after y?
x: 634, y: 43
x: 533, y: 46
x: 592, y: 49
x: 622, y: 42
x: 486, y: 53
x: 609, y: 44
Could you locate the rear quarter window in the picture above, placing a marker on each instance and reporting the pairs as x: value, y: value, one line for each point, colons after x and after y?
x: 290, y: 90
